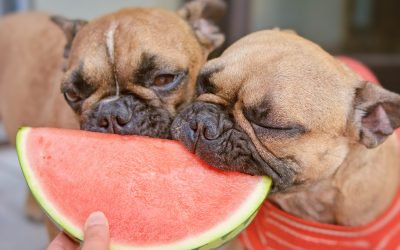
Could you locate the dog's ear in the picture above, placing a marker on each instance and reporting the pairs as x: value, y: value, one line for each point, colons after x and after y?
x: 201, y: 16
x: 70, y: 27
x: 377, y: 113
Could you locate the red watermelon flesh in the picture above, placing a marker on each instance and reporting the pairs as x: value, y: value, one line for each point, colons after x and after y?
x: 155, y: 193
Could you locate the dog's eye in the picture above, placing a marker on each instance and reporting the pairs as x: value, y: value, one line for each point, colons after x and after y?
x: 71, y: 96
x: 278, y: 130
x: 265, y: 125
x: 164, y: 79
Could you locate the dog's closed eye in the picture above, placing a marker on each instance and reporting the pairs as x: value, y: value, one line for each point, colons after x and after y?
x: 289, y: 131
x: 263, y: 124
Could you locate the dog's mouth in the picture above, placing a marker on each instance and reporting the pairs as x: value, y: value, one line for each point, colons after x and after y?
x: 127, y: 115
x: 211, y: 133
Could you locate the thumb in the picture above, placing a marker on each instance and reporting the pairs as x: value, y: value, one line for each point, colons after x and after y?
x: 96, y: 232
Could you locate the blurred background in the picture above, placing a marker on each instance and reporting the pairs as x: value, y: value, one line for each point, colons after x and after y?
x: 368, y: 30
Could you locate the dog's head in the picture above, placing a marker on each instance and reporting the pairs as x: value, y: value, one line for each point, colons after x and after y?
x: 276, y: 104
x: 130, y: 71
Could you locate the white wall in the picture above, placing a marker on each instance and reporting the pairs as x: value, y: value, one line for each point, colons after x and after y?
x: 89, y: 9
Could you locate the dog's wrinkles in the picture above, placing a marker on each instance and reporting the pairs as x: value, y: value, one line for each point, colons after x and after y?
x: 110, y: 42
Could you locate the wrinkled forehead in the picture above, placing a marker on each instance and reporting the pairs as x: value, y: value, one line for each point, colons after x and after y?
x: 133, y: 31
x: 296, y: 79
x: 155, y: 28
x: 132, y: 39
x: 298, y: 95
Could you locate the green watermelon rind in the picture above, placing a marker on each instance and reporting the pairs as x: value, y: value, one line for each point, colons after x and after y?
x: 210, y: 239
x: 35, y: 189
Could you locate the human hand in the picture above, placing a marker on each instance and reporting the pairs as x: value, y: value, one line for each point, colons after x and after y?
x: 96, y: 235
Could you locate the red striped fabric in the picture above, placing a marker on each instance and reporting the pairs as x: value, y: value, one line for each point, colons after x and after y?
x: 275, y: 229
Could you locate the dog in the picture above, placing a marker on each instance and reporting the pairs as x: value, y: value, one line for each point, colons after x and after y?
x: 128, y: 72
x: 276, y: 104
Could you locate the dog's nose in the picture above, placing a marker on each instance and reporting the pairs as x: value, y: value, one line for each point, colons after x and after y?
x: 200, y: 122
x: 113, y: 122
x: 113, y: 115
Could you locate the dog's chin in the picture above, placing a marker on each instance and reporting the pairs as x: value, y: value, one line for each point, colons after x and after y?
x: 140, y: 119
x: 211, y: 133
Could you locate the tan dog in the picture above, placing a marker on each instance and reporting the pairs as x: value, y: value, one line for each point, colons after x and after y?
x: 128, y: 72
x: 276, y: 104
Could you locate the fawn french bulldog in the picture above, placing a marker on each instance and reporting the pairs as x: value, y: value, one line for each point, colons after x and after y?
x: 276, y: 104
x: 127, y: 72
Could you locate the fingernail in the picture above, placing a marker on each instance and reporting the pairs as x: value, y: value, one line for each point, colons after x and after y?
x: 95, y: 219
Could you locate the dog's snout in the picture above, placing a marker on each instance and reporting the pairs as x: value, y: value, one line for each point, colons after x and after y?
x: 200, y: 121
x: 104, y: 122
x: 114, y: 120
x: 210, y: 132
x: 126, y: 115
x: 206, y: 127
x: 112, y: 115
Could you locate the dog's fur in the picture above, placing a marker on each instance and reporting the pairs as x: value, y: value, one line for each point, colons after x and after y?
x: 128, y: 72
x: 276, y: 104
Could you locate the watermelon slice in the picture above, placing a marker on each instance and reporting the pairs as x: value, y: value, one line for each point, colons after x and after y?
x: 155, y: 193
